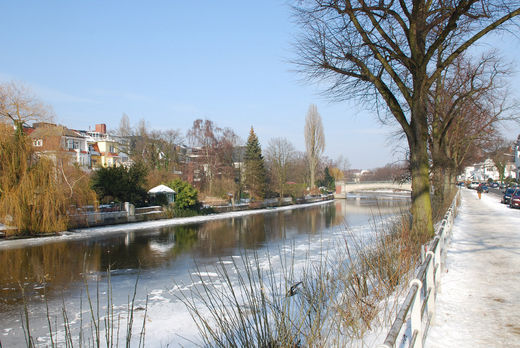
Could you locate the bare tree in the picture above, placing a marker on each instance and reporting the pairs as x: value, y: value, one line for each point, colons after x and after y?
x: 215, y: 149
x: 279, y: 154
x: 336, y: 173
x: 387, y: 54
x: 171, y: 140
x: 299, y: 173
x: 500, y: 152
x: 314, y: 140
x: 342, y: 163
x: 466, y: 95
x: 124, y: 130
x: 473, y: 130
x: 142, y: 128
x: 19, y: 106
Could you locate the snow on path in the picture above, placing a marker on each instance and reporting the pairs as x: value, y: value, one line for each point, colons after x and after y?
x: 479, y: 302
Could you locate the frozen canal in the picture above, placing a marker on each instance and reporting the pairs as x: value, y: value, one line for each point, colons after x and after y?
x: 169, y: 259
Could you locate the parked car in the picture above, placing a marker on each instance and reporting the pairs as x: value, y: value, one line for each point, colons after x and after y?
x: 495, y: 185
x: 473, y: 185
x: 484, y: 188
x: 515, y: 199
x: 506, y: 199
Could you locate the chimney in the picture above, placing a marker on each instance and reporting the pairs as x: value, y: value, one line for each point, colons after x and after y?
x: 101, y: 128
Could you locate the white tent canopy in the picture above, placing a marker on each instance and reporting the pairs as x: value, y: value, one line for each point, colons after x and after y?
x: 161, y: 189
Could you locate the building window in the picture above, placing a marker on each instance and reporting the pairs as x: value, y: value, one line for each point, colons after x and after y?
x: 72, y: 144
x: 38, y: 142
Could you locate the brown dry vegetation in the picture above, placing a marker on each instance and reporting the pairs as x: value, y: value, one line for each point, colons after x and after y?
x: 330, y: 302
x: 37, y: 192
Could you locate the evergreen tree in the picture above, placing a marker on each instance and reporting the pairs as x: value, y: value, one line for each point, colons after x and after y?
x: 121, y: 184
x: 328, y: 180
x: 254, y: 168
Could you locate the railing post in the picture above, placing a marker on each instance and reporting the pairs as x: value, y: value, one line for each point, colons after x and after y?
x: 437, y: 260
x: 412, y: 306
x: 431, y: 284
x: 415, y: 316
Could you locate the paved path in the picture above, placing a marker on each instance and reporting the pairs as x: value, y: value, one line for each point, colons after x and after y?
x: 479, y: 302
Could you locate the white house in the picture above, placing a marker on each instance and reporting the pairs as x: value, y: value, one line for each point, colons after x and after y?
x: 76, y: 145
x: 511, y: 170
x: 486, y: 170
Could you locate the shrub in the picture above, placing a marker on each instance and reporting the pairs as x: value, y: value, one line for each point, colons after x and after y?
x: 186, y: 196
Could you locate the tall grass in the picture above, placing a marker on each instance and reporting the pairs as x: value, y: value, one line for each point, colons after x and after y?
x: 97, y: 328
x: 334, y: 299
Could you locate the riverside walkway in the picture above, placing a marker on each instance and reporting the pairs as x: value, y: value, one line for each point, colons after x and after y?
x: 479, y: 301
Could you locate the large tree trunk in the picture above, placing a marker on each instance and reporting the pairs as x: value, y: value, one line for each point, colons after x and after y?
x: 422, y: 222
x: 452, y: 180
x: 446, y: 184
x: 443, y: 178
x: 313, y: 172
x: 438, y: 176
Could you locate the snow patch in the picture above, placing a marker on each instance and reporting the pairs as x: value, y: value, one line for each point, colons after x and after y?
x: 478, y: 305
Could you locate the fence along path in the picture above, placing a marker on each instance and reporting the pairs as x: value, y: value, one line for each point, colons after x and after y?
x: 413, y: 320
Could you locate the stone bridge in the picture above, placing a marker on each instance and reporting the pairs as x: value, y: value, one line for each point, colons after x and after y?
x: 342, y: 187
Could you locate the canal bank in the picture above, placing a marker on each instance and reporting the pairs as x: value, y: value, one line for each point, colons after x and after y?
x: 129, y: 214
x: 169, y: 260
x: 99, y: 231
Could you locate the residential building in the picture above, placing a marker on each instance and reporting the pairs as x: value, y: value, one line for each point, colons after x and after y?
x: 53, y: 140
x: 487, y: 170
x: 89, y: 149
x: 105, y: 150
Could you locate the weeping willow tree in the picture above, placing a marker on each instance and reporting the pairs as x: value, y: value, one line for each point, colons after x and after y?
x: 32, y: 198
x: 38, y: 190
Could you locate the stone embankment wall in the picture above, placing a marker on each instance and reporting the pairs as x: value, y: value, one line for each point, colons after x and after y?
x: 129, y: 214
x: 132, y: 214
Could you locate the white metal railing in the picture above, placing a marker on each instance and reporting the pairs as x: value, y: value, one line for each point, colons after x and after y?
x: 415, y: 315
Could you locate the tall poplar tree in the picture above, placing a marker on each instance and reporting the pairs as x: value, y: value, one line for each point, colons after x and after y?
x: 314, y: 141
x: 254, y: 168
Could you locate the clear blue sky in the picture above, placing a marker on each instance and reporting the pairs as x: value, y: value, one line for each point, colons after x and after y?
x: 171, y: 62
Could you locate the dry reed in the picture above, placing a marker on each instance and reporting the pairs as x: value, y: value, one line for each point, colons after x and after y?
x: 329, y: 302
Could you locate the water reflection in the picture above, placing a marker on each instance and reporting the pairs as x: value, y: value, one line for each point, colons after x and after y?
x: 61, y: 266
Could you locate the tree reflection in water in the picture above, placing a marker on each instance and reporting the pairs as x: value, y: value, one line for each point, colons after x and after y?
x: 61, y: 266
